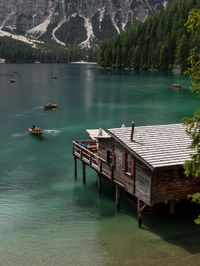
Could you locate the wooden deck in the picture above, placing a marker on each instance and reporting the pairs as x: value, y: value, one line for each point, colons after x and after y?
x: 90, y: 157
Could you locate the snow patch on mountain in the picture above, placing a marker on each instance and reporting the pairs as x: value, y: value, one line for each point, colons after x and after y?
x: 90, y: 33
x: 114, y: 23
x: 19, y: 38
x: 53, y: 33
x: 40, y: 29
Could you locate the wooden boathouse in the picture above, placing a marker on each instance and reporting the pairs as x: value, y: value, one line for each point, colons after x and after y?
x: 145, y: 162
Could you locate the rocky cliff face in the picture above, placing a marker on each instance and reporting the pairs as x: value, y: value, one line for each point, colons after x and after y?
x: 83, y: 23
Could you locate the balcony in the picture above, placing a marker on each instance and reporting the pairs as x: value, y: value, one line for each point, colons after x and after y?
x: 87, y: 152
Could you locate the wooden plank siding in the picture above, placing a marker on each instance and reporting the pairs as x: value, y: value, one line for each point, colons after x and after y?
x: 143, y: 183
x: 172, y: 184
x: 139, y: 184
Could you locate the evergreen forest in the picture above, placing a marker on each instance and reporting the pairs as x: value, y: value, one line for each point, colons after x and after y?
x: 14, y: 51
x: 161, y: 42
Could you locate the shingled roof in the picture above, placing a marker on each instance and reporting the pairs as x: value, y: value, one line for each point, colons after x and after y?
x: 158, y: 146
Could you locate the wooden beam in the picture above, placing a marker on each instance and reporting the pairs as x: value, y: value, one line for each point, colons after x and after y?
x: 139, y: 213
x: 117, y: 197
x: 75, y: 167
x: 99, y: 184
x: 171, y: 206
x: 83, y: 172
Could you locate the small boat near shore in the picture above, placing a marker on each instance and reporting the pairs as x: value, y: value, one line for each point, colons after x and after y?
x: 36, y: 131
x: 50, y: 106
x: 176, y: 85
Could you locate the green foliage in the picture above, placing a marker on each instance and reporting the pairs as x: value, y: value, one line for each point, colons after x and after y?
x: 192, y: 167
x: 193, y: 22
x: 195, y: 198
x: 162, y: 41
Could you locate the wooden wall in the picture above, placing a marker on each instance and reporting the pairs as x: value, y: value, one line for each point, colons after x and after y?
x: 172, y: 184
x: 138, y: 185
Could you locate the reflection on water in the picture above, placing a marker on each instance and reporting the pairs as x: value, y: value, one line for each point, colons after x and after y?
x: 46, y: 218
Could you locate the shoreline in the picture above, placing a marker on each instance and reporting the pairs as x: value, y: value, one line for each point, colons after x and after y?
x: 83, y: 62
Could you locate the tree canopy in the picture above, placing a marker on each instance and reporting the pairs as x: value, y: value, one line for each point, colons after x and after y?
x: 161, y: 42
x: 192, y: 167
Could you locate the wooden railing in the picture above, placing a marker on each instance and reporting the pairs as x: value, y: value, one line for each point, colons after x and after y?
x: 90, y: 157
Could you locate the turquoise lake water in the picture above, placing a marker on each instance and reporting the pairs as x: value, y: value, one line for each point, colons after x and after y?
x: 46, y: 218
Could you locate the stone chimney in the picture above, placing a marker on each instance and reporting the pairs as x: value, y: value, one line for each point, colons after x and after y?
x: 132, y: 130
x: 100, y: 132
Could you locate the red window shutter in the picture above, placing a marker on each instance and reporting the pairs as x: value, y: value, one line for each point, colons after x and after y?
x: 124, y: 161
x: 132, y: 165
x: 113, y: 159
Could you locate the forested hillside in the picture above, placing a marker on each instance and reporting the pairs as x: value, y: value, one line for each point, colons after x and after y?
x: 161, y: 42
x: 14, y: 51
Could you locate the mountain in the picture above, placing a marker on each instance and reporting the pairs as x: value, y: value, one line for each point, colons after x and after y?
x: 72, y: 23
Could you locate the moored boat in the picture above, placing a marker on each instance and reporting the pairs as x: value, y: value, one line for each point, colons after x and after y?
x: 36, y: 131
x: 176, y: 85
x: 50, y: 106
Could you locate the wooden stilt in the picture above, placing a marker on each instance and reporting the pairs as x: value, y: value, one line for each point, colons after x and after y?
x: 117, y: 197
x: 99, y: 184
x: 139, y: 214
x: 83, y: 172
x: 171, y: 207
x: 75, y: 167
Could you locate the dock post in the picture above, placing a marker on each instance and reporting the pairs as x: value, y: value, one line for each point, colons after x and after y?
x: 117, y: 197
x: 139, y: 214
x: 83, y: 173
x: 75, y: 167
x: 99, y: 184
x: 171, y: 206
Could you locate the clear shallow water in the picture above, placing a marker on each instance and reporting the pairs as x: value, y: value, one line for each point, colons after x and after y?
x: 48, y: 219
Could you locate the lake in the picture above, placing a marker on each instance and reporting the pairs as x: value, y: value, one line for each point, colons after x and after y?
x: 46, y: 218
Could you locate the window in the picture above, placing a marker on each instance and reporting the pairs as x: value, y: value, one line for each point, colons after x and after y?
x: 128, y: 163
x: 109, y: 157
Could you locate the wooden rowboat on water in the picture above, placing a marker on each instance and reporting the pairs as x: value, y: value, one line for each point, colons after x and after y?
x: 50, y: 106
x: 36, y: 131
x: 176, y: 86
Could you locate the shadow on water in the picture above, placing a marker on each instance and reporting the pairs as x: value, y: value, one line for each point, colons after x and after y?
x: 178, y: 229
x: 86, y: 196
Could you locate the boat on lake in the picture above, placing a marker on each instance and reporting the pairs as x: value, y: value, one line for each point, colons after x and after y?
x: 54, y: 77
x: 176, y: 85
x: 50, y: 106
x: 35, y: 130
x: 12, y: 80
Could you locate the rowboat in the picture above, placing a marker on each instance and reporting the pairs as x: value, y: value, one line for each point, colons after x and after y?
x: 50, y: 106
x: 176, y: 86
x: 36, y: 131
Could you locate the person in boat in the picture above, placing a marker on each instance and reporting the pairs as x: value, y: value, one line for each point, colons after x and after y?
x: 33, y: 127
